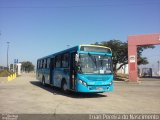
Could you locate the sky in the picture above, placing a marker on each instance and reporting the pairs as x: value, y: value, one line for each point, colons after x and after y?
x: 36, y: 28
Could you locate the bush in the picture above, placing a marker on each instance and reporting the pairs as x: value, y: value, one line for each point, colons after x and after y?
x: 5, y: 73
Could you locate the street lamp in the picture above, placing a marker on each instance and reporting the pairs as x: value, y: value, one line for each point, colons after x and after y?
x: 7, y: 54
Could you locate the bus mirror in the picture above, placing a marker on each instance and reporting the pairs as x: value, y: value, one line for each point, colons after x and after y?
x: 76, y: 57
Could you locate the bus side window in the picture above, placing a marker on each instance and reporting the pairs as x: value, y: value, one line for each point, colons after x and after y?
x: 38, y: 64
x: 44, y: 63
x: 65, y: 60
x: 41, y: 63
x: 48, y: 62
x: 52, y: 63
x: 58, y: 61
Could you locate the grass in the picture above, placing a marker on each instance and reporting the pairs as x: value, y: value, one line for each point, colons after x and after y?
x: 5, y: 73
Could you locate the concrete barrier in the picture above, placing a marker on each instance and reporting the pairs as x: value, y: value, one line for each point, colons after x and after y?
x: 12, y: 77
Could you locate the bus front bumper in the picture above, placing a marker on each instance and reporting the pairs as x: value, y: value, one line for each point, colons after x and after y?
x: 94, y: 88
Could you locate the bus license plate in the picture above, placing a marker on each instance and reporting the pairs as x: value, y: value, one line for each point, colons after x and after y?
x: 99, y: 88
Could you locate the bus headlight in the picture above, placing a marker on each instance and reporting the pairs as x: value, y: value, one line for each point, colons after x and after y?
x: 111, y: 83
x: 83, y: 83
x: 80, y: 81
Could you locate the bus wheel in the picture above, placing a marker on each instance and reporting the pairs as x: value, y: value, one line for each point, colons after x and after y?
x: 64, y: 86
x: 43, y: 81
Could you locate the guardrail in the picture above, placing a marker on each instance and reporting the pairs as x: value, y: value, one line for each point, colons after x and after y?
x: 12, y: 77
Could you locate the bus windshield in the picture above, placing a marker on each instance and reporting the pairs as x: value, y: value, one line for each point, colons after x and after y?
x: 95, y: 64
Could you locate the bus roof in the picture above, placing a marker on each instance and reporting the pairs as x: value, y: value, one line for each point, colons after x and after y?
x: 95, y: 46
x: 61, y: 52
x: 73, y: 48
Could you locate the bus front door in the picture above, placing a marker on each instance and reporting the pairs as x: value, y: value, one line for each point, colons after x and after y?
x: 72, y: 71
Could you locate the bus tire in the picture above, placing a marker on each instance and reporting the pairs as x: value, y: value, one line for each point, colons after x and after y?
x: 43, y: 81
x: 64, y: 86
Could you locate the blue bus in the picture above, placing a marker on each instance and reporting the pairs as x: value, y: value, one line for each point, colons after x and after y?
x: 83, y: 68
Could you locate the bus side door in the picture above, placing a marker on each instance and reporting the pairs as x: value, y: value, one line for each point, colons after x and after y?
x: 72, y: 70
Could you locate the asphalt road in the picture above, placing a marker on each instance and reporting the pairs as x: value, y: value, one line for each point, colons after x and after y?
x: 26, y: 95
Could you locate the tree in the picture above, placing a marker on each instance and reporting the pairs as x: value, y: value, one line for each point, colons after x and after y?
x: 27, y: 66
x: 142, y: 60
x: 120, y: 53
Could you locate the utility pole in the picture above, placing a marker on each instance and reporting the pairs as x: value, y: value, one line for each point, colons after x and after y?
x: 7, y: 55
x: 0, y: 49
x: 158, y: 67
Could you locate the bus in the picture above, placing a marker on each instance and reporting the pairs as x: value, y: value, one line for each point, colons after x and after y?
x: 83, y: 68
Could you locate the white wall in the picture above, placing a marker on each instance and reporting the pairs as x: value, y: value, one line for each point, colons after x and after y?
x: 123, y: 70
